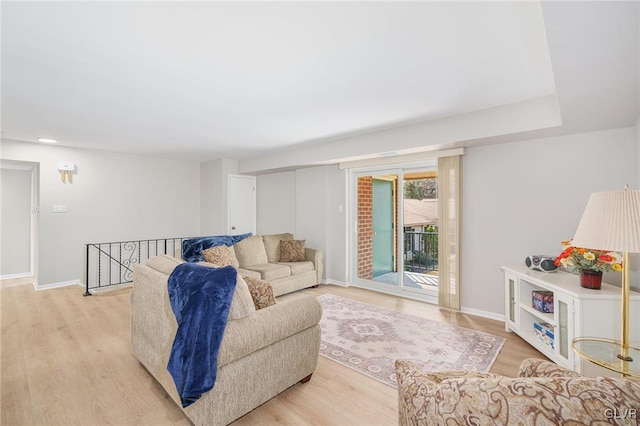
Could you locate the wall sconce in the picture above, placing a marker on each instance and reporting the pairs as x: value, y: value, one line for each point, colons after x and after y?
x: 66, y: 171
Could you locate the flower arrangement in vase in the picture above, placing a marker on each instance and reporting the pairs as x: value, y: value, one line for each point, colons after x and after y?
x: 590, y: 263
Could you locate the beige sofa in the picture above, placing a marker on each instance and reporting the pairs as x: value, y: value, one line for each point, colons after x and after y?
x: 543, y: 394
x: 258, y: 256
x: 262, y: 352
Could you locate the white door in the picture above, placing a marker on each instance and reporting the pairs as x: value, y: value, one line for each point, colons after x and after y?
x: 241, y: 198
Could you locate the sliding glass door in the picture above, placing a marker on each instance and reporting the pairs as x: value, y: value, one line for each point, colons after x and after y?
x: 394, y: 237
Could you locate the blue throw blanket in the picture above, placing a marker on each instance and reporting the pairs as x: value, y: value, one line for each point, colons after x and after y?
x: 192, y: 248
x: 200, y: 298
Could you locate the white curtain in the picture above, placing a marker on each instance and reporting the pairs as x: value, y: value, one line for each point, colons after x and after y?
x: 449, y: 232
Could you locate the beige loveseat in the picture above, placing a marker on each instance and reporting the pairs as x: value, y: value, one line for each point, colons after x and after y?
x: 262, y: 352
x: 258, y: 256
x: 543, y: 394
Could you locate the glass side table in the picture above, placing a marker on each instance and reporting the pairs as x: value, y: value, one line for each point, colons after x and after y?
x: 607, y: 353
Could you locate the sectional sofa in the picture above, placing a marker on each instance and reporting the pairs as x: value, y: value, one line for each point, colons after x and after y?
x: 259, y: 256
x: 263, y: 352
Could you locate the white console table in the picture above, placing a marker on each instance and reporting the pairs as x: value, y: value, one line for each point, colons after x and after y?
x: 578, y: 312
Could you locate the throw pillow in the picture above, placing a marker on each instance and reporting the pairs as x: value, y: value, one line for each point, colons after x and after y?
x: 261, y: 292
x: 292, y: 251
x: 218, y: 255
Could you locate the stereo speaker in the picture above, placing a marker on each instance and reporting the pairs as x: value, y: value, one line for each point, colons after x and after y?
x: 542, y: 263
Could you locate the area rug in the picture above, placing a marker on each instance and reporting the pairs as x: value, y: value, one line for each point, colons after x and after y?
x: 369, y: 339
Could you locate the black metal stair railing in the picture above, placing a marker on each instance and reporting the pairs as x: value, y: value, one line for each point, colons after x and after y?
x: 110, y: 264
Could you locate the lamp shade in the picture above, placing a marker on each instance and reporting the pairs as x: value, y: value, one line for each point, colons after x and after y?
x: 611, y: 221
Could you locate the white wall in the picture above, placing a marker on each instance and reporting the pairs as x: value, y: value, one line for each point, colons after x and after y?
x: 113, y: 197
x: 634, y: 259
x: 213, y: 195
x: 320, y: 191
x: 276, y: 203
x: 519, y: 198
x: 311, y: 204
x: 526, y: 197
x: 637, y: 167
x: 15, y: 245
x: 211, y: 209
x: 311, y: 209
x: 337, y: 226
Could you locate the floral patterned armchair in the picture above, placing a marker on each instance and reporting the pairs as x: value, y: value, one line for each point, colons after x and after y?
x: 542, y: 394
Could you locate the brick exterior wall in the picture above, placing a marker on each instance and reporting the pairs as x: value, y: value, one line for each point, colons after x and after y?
x: 365, y: 227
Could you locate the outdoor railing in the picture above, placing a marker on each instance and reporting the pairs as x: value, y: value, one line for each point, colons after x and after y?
x: 111, y: 264
x: 420, y: 251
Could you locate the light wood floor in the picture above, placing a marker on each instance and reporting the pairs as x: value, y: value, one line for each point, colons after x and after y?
x: 66, y: 360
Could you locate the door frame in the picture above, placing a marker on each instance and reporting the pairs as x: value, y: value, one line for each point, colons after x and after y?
x: 399, y: 169
x: 34, y: 169
x: 354, y: 174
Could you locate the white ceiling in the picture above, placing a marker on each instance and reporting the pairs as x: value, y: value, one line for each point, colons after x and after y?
x: 204, y: 80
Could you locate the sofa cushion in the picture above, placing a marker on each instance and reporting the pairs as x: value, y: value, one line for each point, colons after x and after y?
x: 248, y: 273
x: 220, y: 255
x: 250, y: 251
x: 261, y: 292
x: 270, y: 271
x: 272, y: 245
x: 164, y: 263
x: 292, y: 251
x: 298, y: 268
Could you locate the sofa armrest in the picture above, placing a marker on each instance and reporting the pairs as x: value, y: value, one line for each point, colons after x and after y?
x: 534, y: 367
x: 267, y: 326
x: 440, y: 376
x: 317, y: 257
x: 415, y: 407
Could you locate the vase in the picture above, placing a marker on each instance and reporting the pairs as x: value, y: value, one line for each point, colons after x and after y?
x: 590, y: 279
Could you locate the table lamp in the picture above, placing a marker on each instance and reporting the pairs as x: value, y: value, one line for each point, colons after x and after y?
x: 611, y: 222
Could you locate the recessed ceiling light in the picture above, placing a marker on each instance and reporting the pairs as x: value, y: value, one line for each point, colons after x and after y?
x: 47, y: 140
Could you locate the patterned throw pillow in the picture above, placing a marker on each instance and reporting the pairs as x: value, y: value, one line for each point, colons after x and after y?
x: 261, y: 292
x: 292, y: 251
x: 218, y: 255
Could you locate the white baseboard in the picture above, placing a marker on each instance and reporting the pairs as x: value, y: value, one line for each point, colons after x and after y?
x: 336, y: 282
x: 13, y: 276
x: 57, y: 285
x: 481, y: 313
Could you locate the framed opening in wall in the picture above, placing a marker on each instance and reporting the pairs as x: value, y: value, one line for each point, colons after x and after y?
x: 394, y: 235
